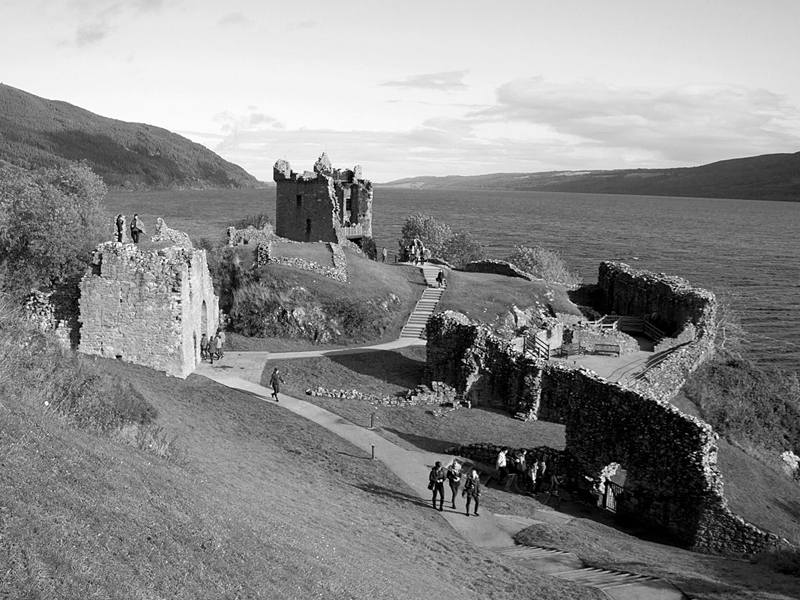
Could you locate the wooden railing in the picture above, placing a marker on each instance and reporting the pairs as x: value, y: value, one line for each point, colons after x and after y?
x: 536, y: 346
x: 653, y: 332
x: 354, y: 231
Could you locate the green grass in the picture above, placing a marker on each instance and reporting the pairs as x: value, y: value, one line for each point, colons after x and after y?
x: 316, y: 252
x: 268, y: 506
x: 488, y: 298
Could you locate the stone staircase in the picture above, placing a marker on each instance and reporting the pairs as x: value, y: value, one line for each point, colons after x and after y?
x: 418, y: 319
x: 618, y: 585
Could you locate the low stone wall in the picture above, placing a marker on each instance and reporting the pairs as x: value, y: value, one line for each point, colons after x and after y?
x: 589, y: 337
x: 670, y: 458
x: 338, y: 272
x: 437, y: 395
x: 498, y: 267
x: 172, y: 236
x: 250, y: 235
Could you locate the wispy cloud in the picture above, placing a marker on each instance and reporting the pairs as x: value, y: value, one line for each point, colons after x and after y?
x: 688, y: 124
x: 234, y: 18
x: 446, y: 81
x: 97, y: 18
x: 90, y: 33
x: 231, y: 122
x: 298, y: 25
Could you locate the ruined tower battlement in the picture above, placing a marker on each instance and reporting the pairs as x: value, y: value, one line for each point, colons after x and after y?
x: 148, y: 306
x: 323, y: 205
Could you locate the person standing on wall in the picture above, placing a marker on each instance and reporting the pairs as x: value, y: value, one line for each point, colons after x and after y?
x: 472, y: 490
x: 436, y: 484
x: 137, y: 227
x: 120, y: 223
x: 275, y: 381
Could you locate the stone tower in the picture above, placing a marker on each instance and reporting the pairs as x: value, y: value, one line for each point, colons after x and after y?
x: 323, y: 205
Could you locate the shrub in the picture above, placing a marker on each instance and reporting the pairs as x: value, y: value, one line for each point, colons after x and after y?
x: 544, y: 264
x: 369, y: 248
x: 433, y: 234
x: 50, y: 221
x: 258, y: 221
x: 462, y: 248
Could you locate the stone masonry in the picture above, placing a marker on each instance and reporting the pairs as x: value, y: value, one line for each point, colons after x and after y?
x: 670, y: 458
x: 316, y: 206
x: 148, y: 305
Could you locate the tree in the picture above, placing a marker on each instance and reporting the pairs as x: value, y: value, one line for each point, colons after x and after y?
x: 462, y: 248
x: 544, y: 264
x: 50, y: 221
x: 433, y: 234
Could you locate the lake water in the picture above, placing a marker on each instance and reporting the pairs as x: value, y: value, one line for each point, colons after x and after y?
x: 745, y: 249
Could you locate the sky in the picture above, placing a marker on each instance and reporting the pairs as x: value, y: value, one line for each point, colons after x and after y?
x: 426, y: 87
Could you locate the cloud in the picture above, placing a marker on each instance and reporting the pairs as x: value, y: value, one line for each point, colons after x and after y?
x: 234, y: 18
x: 252, y: 121
x: 88, y: 34
x: 298, y: 25
x: 445, y: 81
x: 689, y: 125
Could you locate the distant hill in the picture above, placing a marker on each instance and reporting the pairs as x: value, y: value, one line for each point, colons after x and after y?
x: 767, y: 177
x: 37, y: 132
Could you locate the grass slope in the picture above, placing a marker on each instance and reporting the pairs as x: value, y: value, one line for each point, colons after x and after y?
x: 268, y: 506
x: 38, y: 132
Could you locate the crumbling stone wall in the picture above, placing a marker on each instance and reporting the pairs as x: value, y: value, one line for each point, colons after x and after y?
x: 251, y: 235
x: 668, y: 302
x: 314, y: 206
x: 670, y: 458
x: 148, y: 307
x: 338, y: 272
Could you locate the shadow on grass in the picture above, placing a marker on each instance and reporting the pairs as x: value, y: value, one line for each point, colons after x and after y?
x: 393, y: 494
x: 423, y: 443
x: 385, y: 365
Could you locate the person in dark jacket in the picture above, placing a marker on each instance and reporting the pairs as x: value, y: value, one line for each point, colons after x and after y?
x: 275, y: 381
x: 137, y: 227
x: 436, y: 484
x: 472, y: 490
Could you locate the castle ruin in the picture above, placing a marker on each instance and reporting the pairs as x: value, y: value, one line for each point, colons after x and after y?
x: 323, y: 205
x: 148, y: 304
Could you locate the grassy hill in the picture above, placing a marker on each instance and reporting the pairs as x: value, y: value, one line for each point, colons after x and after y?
x: 767, y: 177
x: 37, y: 132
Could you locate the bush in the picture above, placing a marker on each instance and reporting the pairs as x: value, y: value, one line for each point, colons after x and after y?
x: 544, y: 264
x: 745, y: 403
x: 462, y: 248
x: 369, y: 248
x: 433, y: 234
x: 50, y: 222
x: 258, y: 221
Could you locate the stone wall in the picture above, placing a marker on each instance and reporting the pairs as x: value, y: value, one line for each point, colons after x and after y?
x: 250, y: 235
x: 338, y: 272
x: 313, y: 206
x: 148, y: 306
x: 668, y: 302
x: 670, y: 458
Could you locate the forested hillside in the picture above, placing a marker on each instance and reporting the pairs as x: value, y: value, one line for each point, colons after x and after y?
x: 767, y: 177
x: 36, y: 132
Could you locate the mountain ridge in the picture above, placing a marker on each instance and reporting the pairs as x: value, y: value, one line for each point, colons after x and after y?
x: 37, y: 132
x: 764, y: 177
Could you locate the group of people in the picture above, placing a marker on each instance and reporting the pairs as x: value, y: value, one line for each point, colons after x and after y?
x: 212, y: 348
x: 137, y: 228
x: 531, y: 476
x: 453, y: 475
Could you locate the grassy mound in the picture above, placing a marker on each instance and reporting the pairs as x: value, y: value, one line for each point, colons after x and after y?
x: 487, y: 297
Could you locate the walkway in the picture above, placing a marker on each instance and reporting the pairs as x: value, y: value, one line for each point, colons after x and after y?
x: 491, y: 532
x: 415, y: 326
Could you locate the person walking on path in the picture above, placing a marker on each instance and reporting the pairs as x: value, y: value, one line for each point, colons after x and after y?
x: 215, y: 349
x: 472, y: 490
x: 436, y: 484
x: 275, y: 381
x: 384, y: 254
x: 440, y: 278
x: 137, y: 227
x: 454, y: 479
x: 203, y: 347
x: 221, y: 338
